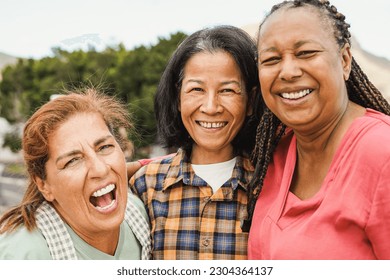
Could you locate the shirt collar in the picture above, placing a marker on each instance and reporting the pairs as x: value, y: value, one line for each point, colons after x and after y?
x: 180, y: 170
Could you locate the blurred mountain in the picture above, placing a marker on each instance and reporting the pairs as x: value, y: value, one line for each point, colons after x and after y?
x: 6, y: 59
x: 375, y: 67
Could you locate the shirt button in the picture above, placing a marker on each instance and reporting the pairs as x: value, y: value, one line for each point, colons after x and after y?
x: 205, y: 242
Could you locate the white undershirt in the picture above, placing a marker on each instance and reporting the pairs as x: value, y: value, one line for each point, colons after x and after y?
x: 215, y: 174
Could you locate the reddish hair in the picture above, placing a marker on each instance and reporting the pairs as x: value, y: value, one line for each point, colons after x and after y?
x: 35, y: 145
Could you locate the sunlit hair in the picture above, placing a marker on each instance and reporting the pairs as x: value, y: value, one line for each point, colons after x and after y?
x: 38, y: 128
x: 231, y: 40
x: 359, y: 87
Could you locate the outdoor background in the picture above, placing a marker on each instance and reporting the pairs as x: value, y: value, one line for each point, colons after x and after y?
x: 123, y: 47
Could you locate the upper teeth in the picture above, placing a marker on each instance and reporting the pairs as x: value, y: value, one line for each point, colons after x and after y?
x: 295, y: 95
x: 212, y: 125
x: 104, y: 190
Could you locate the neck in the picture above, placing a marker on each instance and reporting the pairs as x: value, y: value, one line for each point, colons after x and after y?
x: 105, y: 242
x: 205, y: 156
x: 316, y: 151
x: 326, y: 138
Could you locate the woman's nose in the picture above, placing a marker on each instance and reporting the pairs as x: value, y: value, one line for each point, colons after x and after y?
x: 211, y: 104
x: 98, y: 167
x: 290, y: 69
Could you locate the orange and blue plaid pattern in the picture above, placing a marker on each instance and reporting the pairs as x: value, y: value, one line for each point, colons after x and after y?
x: 188, y: 220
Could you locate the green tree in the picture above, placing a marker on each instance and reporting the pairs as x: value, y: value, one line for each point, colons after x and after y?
x: 131, y: 75
x: 13, y: 141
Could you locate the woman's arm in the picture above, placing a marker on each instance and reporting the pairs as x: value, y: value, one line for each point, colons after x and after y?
x: 134, y: 166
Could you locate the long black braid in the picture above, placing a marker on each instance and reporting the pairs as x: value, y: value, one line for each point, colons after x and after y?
x: 270, y: 129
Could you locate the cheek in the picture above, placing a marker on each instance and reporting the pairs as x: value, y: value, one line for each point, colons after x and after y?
x: 266, y: 79
x: 239, y: 109
x: 69, y: 199
x: 187, y: 107
x: 267, y: 97
x: 188, y: 102
x: 117, y: 162
x: 182, y: 108
x: 67, y: 185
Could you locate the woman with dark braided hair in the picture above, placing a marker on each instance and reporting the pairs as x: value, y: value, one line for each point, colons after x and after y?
x: 321, y: 188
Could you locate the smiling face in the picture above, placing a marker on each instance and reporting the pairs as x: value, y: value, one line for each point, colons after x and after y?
x: 213, y: 105
x: 302, y: 71
x: 86, y: 177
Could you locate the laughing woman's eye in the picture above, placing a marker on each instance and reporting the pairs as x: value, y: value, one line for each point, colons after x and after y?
x: 72, y: 162
x: 270, y: 61
x: 229, y: 91
x: 196, y: 90
x: 105, y: 149
x: 306, y: 53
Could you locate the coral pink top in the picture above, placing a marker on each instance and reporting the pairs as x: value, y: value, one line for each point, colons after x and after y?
x: 348, y: 218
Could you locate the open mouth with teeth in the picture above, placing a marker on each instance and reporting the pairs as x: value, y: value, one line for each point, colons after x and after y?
x: 296, y: 95
x: 103, y: 198
x: 211, y: 124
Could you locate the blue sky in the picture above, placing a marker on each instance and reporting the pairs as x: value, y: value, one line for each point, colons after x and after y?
x: 30, y: 28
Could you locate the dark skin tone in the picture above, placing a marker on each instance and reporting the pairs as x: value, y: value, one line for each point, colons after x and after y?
x: 302, y: 74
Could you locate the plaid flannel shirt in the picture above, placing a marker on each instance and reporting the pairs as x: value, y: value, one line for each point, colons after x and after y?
x: 188, y: 220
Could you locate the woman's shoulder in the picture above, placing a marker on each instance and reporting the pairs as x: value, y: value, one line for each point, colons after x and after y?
x: 158, y: 166
x: 137, y: 202
x: 158, y: 162
x: 378, y: 117
x: 22, y: 244
x: 374, y: 129
x: 368, y: 139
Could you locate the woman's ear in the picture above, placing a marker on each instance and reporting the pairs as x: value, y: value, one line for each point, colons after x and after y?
x: 346, y: 57
x: 44, y: 188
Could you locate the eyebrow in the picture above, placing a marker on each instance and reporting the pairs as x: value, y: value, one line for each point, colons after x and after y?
x: 270, y: 49
x: 223, y: 83
x: 75, y: 152
x: 296, y: 46
x: 231, y: 82
x: 301, y: 43
x: 194, y: 81
x: 101, y: 140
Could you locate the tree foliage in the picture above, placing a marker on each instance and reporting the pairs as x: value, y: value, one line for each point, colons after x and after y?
x: 13, y: 141
x: 130, y: 75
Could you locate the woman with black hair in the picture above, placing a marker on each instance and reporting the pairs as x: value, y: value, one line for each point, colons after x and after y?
x: 207, y: 104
